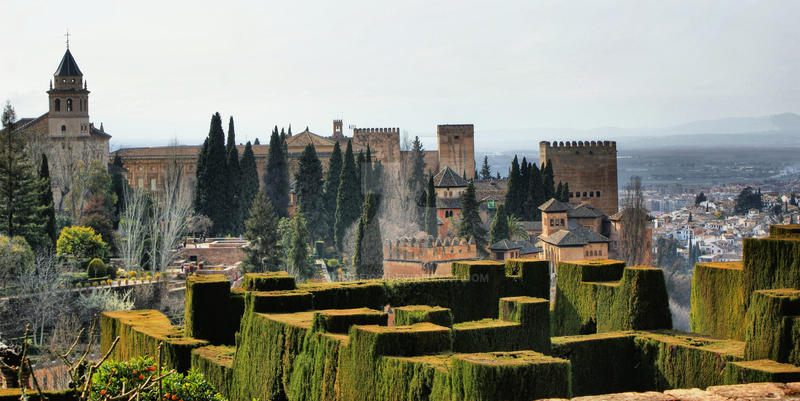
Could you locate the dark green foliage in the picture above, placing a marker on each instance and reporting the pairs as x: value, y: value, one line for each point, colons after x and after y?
x: 279, y: 301
x: 14, y: 394
x: 565, y: 193
x: 471, y: 224
x: 524, y: 181
x: 21, y: 211
x: 418, y: 339
x: 340, y: 320
x: 488, y: 335
x: 271, y: 281
x: 717, y: 304
x: 548, y: 181
x: 770, y: 317
x: 332, y: 190
x: 309, y: 192
x: 486, y: 172
x: 249, y: 180
x: 700, y: 198
x: 211, y: 196
x: 763, y: 370
x: 348, y: 206
x: 601, y: 363
x: 368, y: 255
x: 299, y: 261
x: 535, y: 196
x: 748, y: 199
x: 519, y: 375
x: 215, y: 363
x: 411, y: 314
x: 236, y: 209
x: 261, y: 229
x: 276, y: 175
x: 770, y: 263
x: 416, y: 181
x: 46, y: 202
x: 534, y: 316
x: 208, y: 309
x: 500, y: 230
x: 534, y: 276
x: 431, y: 221
x: 96, y: 268
x: 514, y: 195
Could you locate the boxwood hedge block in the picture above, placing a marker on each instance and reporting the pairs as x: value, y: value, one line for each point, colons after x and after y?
x: 269, y: 281
x: 789, y: 230
x: 216, y: 365
x: 601, y: 363
x: 533, y: 274
x: 419, y: 378
x: 794, y: 352
x: 770, y: 263
x: 340, y: 320
x: 489, y: 335
x: 280, y: 301
x: 763, y: 370
x: 534, y: 315
x: 770, y: 323
x: 480, y: 271
x: 140, y: 332
x: 641, y: 302
x: 417, y: 339
x: 718, y: 307
x: 408, y: 315
x: 518, y: 375
x: 14, y: 394
x: 343, y: 295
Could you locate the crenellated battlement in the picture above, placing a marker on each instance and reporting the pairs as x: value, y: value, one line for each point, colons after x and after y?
x: 577, y: 145
x: 362, y: 131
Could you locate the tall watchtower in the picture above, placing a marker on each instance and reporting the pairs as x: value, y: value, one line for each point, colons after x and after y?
x: 337, y: 129
x: 457, y: 148
x: 69, y: 101
x: 590, y: 169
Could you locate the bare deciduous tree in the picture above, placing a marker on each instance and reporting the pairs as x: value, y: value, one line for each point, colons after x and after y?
x: 634, y: 242
x: 171, y: 214
x: 133, y: 228
x: 39, y: 297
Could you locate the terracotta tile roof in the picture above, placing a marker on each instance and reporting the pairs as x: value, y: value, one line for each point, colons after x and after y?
x: 448, y: 203
x: 447, y: 178
x: 307, y: 137
x: 577, y: 237
x: 554, y: 206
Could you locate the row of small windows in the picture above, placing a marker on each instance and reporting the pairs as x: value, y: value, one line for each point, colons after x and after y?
x: 81, y: 105
x: 448, y: 213
x: 590, y: 194
x: 556, y: 222
x: 84, y: 128
x: 594, y: 252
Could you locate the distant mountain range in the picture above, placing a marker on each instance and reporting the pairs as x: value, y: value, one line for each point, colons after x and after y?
x: 779, y: 130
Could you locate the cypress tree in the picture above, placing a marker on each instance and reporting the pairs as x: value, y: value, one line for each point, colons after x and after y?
x: 119, y: 186
x: 298, y: 255
x: 332, y: 189
x: 368, y: 255
x: 347, y: 207
x: 211, y: 201
x: 565, y: 193
x: 471, y: 225
x: 19, y: 187
x: 235, y: 214
x: 548, y: 181
x: 276, y: 175
x: 524, y: 181
x: 249, y: 178
x: 261, y: 229
x: 256, y: 142
x: 360, y: 168
x: 500, y: 229
x: 535, y: 194
x: 200, y: 181
x: 309, y: 192
x: 46, y: 202
x: 366, y: 172
x: 559, y: 192
x: 486, y: 172
x: 513, y: 188
x: 431, y: 221
x: 415, y: 183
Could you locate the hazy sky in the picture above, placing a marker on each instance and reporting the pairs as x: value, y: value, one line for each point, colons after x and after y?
x: 159, y: 69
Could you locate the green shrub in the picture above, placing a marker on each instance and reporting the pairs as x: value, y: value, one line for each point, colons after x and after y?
x: 16, y: 257
x: 333, y: 263
x: 81, y: 243
x: 109, y: 379
x: 96, y: 268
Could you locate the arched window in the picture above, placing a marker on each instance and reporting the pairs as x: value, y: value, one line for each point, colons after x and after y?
x: 69, y: 104
x: 597, y: 194
x: 591, y: 194
x: 584, y: 194
x: 63, y: 128
x: 551, y: 222
x: 58, y: 105
x: 562, y: 222
x: 570, y: 194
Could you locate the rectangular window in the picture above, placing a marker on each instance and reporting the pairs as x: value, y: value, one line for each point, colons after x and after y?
x: 152, y: 184
x: 141, y: 183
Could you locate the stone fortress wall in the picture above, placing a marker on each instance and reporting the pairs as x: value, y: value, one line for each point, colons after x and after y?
x: 590, y: 168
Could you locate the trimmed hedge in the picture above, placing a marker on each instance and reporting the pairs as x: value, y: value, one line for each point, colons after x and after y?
x: 519, y: 375
x: 418, y: 339
x: 718, y: 308
x: 140, y: 332
x: 279, y: 301
x: 770, y: 325
x: 216, y: 365
x: 763, y: 370
x: 408, y: 315
x: 601, y: 363
x: 638, y: 301
x: 534, y: 315
x: 488, y: 335
x: 340, y: 320
x: 269, y: 281
x: 533, y: 274
x: 13, y: 394
x: 770, y: 263
x: 208, y: 313
x: 790, y: 230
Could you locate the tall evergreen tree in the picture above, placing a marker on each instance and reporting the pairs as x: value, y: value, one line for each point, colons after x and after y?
x: 535, y: 195
x: 276, y: 176
x: 19, y: 187
x: 249, y: 178
x: 119, y: 187
x: 486, y: 172
x: 46, y: 202
x: 366, y: 172
x: 256, y: 142
x: 471, y: 225
x: 309, y: 192
x: 512, y: 200
x: 565, y: 193
x: 360, y: 169
x: 500, y: 229
x: 524, y: 181
x: 559, y: 190
x: 211, y: 200
x: 332, y: 189
x: 235, y: 210
x: 415, y: 182
x: 261, y: 229
x: 548, y: 181
x: 299, y: 264
x: 200, y: 171
x: 368, y: 255
x: 431, y: 221
x: 347, y: 207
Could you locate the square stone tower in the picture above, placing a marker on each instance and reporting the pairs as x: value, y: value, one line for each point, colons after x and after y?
x: 457, y: 148
x: 590, y: 168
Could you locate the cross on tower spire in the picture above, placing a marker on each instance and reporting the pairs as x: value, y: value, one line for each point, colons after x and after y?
x: 67, y: 35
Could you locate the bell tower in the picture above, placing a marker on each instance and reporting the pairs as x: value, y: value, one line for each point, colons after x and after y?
x: 68, y: 100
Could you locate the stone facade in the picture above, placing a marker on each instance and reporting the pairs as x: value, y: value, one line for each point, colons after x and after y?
x: 590, y: 169
x: 457, y: 148
x: 419, y: 257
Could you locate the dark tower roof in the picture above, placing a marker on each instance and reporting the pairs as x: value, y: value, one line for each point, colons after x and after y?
x: 68, y: 67
x: 448, y: 178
